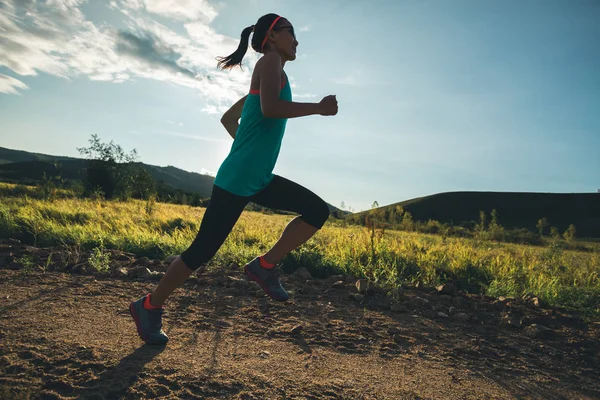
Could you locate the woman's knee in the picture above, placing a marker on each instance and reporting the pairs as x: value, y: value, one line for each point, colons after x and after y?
x: 194, y: 258
x: 318, y: 215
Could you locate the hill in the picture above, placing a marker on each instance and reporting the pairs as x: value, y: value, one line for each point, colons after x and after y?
x: 17, y: 166
x: 516, y: 210
x: 12, y: 156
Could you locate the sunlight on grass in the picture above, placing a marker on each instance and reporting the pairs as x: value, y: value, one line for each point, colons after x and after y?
x: 560, y: 277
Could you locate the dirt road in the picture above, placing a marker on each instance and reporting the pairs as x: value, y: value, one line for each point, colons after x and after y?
x: 67, y: 335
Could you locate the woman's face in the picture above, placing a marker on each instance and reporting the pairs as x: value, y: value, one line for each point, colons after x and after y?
x: 285, y: 41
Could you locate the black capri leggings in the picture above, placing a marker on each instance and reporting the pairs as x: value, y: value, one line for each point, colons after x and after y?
x: 225, y: 209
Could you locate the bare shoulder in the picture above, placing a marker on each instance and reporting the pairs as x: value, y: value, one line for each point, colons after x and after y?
x: 268, y: 62
x: 264, y: 67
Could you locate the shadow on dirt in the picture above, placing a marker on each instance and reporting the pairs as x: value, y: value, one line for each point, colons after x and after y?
x: 115, y: 382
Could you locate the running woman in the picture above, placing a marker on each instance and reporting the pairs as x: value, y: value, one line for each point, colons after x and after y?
x: 246, y: 174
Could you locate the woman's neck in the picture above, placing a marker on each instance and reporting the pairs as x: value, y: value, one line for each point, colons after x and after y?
x: 283, y: 60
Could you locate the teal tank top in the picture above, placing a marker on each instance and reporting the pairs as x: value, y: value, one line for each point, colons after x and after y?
x: 248, y: 167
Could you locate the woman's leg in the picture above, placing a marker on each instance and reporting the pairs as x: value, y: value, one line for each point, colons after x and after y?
x: 296, y: 233
x: 219, y: 219
x: 283, y: 194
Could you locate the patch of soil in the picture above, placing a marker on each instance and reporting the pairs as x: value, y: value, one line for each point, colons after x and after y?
x: 70, y: 335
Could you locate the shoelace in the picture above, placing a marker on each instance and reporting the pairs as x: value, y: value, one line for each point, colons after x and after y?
x: 274, y: 275
x: 155, y: 320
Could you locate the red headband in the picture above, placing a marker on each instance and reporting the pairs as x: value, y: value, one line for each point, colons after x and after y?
x: 267, y: 34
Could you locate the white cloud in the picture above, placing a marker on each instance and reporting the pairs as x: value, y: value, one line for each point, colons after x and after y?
x: 211, y: 109
x: 182, y: 10
x: 102, y: 77
x: 9, y: 85
x: 204, y: 171
x: 55, y: 37
x: 305, y: 28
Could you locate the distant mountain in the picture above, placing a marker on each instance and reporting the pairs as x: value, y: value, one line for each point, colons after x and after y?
x: 19, y: 166
x: 12, y: 156
x: 515, y: 210
x: 33, y: 171
x: 184, y: 180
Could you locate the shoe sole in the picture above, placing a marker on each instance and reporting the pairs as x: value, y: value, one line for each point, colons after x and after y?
x: 136, y: 319
x: 263, y: 285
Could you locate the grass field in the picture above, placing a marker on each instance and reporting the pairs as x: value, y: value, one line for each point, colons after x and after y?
x: 556, y: 275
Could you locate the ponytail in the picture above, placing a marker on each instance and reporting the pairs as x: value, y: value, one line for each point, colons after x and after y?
x: 236, y: 57
x: 264, y: 24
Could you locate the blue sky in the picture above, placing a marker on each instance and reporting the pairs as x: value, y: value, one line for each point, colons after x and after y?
x: 434, y: 96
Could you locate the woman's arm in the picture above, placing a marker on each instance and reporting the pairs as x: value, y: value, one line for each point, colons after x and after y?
x: 230, y: 119
x: 269, y: 72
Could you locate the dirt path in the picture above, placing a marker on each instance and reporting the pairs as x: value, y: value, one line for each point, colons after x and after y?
x: 65, y: 335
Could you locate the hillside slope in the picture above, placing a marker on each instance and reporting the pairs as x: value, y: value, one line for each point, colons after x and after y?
x: 11, y: 156
x: 18, y: 166
x: 516, y: 210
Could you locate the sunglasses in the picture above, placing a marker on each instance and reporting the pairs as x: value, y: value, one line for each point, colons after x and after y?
x: 289, y: 28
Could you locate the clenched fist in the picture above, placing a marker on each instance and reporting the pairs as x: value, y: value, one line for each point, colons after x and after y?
x: 328, y: 106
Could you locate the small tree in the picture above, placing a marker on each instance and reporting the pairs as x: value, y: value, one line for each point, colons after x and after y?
x: 47, y: 187
x: 142, y: 183
x: 395, y: 215
x: 480, y: 227
x: 494, y: 221
x: 554, y: 233
x: 407, y: 222
x: 371, y: 221
x: 196, y: 200
x: 109, y: 152
x: 496, y: 230
x: 482, y: 221
x: 569, y: 234
x: 114, y: 172
x: 541, y: 225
